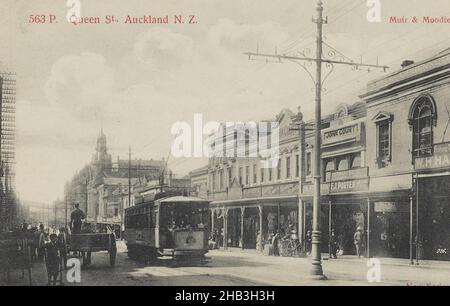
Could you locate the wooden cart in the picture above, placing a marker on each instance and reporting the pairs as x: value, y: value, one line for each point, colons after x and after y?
x: 93, y: 242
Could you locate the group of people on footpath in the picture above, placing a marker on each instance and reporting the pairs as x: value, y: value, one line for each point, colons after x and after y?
x: 358, y: 241
x: 334, y: 245
x: 53, y: 248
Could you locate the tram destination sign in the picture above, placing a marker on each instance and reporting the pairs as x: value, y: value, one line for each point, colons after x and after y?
x: 439, y: 159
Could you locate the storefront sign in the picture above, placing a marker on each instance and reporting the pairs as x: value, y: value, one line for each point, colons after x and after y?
x: 349, y: 186
x: 308, y: 189
x: 440, y: 158
x: 350, y: 132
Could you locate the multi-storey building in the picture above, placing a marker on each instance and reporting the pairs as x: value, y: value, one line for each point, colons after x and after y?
x: 199, y: 182
x: 8, y: 201
x: 408, y: 133
x: 251, y: 202
x: 385, y: 167
x: 100, y: 186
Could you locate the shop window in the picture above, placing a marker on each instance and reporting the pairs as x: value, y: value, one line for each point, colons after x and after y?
x: 288, y: 167
x: 279, y: 169
x: 383, y: 123
x: 422, y: 118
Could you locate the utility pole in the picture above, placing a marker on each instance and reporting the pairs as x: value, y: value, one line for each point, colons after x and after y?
x: 122, y: 214
x: 65, y: 212
x: 339, y: 59
x: 86, y: 195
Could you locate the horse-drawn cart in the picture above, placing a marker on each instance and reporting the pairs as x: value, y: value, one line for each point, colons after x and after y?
x: 93, y: 242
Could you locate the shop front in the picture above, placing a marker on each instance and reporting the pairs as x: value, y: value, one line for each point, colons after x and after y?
x: 434, y: 225
x: 433, y: 190
x: 344, y: 209
x: 390, y: 231
x: 252, y: 223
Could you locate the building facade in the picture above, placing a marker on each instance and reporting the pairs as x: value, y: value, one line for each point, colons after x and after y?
x: 199, y: 182
x: 8, y: 201
x: 251, y: 202
x: 101, y: 187
x: 408, y: 132
x: 385, y: 168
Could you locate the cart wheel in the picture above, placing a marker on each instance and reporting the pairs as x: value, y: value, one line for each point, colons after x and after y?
x: 112, y: 257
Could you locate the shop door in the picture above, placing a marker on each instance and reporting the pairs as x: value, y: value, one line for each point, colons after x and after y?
x: 345, y: 221
x: 390, y: 235
x: 251, y: 227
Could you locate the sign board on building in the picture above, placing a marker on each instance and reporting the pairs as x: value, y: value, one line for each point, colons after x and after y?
x: 349, y: 186
x: 390, y: 207
x: 439, y: 159
x: 342, y: 134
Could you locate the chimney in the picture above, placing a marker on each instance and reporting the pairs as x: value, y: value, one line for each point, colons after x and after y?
x: 407, y: 63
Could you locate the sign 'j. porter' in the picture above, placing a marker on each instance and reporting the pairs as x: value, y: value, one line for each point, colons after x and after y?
x: 439, y: 159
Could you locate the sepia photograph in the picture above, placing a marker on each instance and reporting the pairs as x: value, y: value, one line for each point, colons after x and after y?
x: 224, y: 149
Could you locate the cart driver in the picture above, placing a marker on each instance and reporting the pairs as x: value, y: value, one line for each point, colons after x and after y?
x: 76, y: 218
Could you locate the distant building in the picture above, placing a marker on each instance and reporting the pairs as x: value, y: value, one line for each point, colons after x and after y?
x: 100, y: 187
x: 199, y: 182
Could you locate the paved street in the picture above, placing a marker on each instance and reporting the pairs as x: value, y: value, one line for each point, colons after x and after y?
x: 235, y: 267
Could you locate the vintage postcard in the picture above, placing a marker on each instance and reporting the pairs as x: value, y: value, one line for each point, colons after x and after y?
x: 209, y: 143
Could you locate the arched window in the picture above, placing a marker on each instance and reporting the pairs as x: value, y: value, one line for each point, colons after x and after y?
x: 343, y: 164
x: 422, y: 119
x: 330, y: 166
x: 356, y: 161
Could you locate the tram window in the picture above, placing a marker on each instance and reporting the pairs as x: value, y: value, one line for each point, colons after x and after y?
x: 184, y: 217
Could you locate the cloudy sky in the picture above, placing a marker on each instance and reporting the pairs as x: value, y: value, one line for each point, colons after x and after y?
x: 136, y: 81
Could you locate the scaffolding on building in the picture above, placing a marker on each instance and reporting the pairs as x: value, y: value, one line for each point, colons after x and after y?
x: 8, y: 209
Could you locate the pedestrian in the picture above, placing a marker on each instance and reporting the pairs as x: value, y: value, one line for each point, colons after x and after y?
x: 358, y: 240
x: 333, y: 245
x: 52, y: 259
x: 308, y: 241
x: 34, y: 243
x: 41, y: 240
x: 76, y: 218
x: 276, y: 244
x: 62, y: 244
x: 259, y: 242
